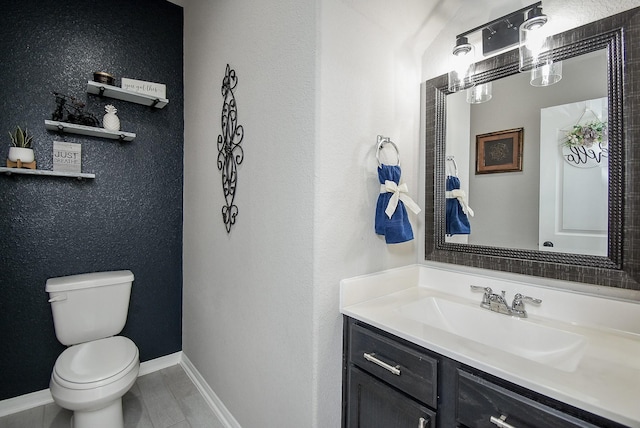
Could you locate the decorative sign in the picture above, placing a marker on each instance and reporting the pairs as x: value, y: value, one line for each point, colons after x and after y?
x: 585, y: 144
x: 67, y: 157
x: 147, y: 88
x: 586, y: 157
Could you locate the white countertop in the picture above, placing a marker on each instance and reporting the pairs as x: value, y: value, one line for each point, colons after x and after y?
x: 606, y: 380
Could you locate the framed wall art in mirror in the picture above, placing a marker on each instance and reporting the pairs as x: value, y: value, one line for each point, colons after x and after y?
x: 619, y: 266
x: 499, y: 151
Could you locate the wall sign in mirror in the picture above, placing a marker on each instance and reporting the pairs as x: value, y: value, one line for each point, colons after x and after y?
x: 599, y: 91
x: 584, y: 145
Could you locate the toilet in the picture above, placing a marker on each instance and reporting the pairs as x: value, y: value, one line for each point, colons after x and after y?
x: 98, y: 368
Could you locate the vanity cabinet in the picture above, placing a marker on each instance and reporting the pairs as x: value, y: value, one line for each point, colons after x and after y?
x: 389, y: 382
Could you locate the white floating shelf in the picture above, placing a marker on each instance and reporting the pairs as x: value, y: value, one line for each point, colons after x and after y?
x: 122, y: 94
x: 72, y: 128
x: 26, y: 171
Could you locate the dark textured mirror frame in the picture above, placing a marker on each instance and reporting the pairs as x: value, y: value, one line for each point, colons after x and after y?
x: 620, y: 35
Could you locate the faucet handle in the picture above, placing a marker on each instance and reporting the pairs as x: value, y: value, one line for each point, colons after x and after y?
x: 519, y: 298
x: 486, y: 290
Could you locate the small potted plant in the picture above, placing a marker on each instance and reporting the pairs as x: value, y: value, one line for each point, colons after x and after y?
x: 20, y: 149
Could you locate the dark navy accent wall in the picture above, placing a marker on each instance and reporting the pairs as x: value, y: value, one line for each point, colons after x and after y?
x: 130, y: 216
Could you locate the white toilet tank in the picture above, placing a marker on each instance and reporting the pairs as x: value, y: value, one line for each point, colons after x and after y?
x: 89, y: 306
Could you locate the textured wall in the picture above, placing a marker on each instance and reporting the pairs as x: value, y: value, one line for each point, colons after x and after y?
x: 247, y: 294
x: 369, y: 84
x: 130, y: 216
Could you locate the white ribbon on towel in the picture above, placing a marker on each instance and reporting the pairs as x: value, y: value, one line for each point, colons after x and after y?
x: 399, y: 194
x: 462, y: 198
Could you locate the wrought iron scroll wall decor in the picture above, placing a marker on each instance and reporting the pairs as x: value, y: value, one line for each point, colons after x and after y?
x: 230, y: 154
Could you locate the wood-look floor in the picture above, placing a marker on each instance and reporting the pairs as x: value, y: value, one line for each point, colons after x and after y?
x: 163, y: 399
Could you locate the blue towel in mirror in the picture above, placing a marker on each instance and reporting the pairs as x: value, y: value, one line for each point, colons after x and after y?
x: 457, y: 222
x: 396, y: 229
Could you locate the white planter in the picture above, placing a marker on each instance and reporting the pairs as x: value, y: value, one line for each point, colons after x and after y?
x: 25, y: 155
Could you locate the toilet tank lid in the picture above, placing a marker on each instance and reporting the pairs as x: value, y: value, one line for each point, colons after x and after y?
x: 87, y: 280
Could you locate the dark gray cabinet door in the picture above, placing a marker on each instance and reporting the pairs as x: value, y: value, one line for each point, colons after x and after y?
x: 374, y: 404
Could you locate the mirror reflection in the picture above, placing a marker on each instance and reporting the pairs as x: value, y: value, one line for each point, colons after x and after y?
x: 550, y: 193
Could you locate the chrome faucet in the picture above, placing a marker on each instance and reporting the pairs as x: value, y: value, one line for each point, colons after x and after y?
x: 498, y: 303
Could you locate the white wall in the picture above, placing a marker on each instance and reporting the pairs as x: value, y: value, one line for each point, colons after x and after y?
x: 248, y: 295
x: 368, y: 84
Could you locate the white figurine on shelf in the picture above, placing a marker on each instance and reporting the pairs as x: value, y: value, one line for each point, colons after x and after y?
x: 110, y: 121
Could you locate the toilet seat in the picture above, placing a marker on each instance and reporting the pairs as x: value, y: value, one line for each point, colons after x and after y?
x: 96, y: 363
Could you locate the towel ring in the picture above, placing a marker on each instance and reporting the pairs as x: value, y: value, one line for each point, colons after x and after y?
x: 381, y: 142
x: 452, y: 159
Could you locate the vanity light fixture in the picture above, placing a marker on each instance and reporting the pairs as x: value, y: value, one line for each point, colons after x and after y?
x: 522, y: 28
x: 462, y: 65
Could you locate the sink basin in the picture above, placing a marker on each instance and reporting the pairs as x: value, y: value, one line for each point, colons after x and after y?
x: 547, y: 345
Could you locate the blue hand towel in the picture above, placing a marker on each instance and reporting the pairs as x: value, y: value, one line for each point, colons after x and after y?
x: 457, y: 222
x: 396, y: 229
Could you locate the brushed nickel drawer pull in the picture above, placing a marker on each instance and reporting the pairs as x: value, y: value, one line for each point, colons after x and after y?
x: 372, y: 357
x: 500, y: 422
x: 422, y: 423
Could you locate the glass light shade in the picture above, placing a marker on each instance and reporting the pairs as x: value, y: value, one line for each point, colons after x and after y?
x: 547, y: 74
x: 533, y: 40
x: 462, y: 66
x: 479, y: 94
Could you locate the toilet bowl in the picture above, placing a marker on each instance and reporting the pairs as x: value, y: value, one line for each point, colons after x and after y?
x: 98, y: 368
x: 91, y: 378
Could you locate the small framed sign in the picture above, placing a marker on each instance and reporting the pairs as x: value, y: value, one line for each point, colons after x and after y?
x: 499, y: 151
x: 67, y: 157
x: 147, y: 88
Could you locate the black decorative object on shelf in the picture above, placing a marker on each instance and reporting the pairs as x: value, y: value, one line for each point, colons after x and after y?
x: 71, y: 110
x: 230, y: 154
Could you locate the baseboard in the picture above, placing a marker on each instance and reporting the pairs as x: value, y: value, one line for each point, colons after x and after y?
x: 160, y: 363
x: 226, y: 418
x: 41, y: 398
x: 25, y: 402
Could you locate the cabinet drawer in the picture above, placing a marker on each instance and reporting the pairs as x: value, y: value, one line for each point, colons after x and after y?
x: 411, y: 371
x: 479, y: 401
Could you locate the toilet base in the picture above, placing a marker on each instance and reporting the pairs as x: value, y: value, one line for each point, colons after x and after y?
x: 107, y: 417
